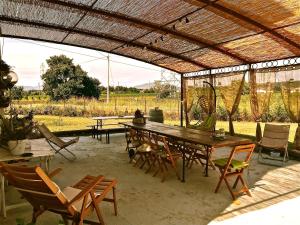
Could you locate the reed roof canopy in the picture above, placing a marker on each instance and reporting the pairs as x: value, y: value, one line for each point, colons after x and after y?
x: 181, y: 35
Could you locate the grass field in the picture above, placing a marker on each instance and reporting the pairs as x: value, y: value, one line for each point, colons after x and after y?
x: 56, y: 123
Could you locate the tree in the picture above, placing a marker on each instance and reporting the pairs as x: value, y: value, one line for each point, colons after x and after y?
x: 63, y: 79
x: 17, y: 92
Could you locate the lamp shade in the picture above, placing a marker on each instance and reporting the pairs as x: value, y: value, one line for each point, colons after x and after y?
x: 12, y: 78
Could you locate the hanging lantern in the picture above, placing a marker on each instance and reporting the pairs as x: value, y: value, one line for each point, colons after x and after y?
x: 13, y: 79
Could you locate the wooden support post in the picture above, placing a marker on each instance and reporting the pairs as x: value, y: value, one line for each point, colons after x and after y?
x: 181, y: 100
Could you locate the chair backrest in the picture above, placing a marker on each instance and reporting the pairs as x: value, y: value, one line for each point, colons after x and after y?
x: 276, y: 136
x: 164, y: 143
x: 131, y: 135
x: 36, y: 187
x: 242, y: 153
x: 49, y: 135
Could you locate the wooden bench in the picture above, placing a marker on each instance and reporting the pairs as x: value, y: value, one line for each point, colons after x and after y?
x: 97, y: 131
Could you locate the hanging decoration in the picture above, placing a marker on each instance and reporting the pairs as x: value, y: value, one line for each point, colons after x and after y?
x: 261, y: 84
x: 289, y: 80
x: 230, y: 86
x: 198, y: 98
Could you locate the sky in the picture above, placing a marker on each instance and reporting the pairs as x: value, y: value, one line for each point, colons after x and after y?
x: 26, y: 58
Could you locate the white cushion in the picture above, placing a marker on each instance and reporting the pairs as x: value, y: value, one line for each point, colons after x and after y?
x: 71, y: 193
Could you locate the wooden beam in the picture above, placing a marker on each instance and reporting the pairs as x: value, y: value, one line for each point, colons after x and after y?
x: 80, y: 19
x: 228, y: 13
x: 121, y: 18
x: 101, y: 36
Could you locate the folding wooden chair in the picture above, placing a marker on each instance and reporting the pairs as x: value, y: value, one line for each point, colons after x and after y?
x: 197, y: 154
x: 275, y: 139
x: 132, y: 139
x: 73, y: 203
x: 234, y: 165
x: 143, y: 151
x: 56, y: 141
x: 167, y: 153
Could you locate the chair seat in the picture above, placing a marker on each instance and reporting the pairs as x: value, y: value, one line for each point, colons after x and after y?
x: 135, y: 144
x: 144, y: 148
x: 235, y: 164
x: 70, y: 193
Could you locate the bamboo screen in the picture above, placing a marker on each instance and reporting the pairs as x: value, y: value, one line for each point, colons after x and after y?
x: 183, y: 36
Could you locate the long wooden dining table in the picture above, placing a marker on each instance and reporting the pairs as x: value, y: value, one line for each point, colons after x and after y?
x: 188, y: 135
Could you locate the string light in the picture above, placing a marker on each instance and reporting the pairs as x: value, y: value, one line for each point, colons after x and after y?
x: 186, y: 19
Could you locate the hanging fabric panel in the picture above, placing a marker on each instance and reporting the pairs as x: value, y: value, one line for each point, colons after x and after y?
x: 197, y: 96
x: 262, y: 83
x: 289, y: 79
x: 230, y: 86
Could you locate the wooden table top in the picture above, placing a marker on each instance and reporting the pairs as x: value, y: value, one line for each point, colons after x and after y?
x: 38, y: 148
x: 189, y: 135
x: 114, y: 117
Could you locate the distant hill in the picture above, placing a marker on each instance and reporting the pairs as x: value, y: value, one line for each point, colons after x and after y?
x: 145, y: 86
x: 32, y: 88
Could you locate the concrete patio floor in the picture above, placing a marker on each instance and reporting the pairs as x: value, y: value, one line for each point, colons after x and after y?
x: 144, y: 200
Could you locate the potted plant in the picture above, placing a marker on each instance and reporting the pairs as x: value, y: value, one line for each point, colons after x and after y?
x: 15, y: 130
x: 139, y: 117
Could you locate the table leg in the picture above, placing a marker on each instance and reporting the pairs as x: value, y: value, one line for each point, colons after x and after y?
x: 101, y: 125
x: 3, y: 205
x: 183, y: 163
x: 207, y: 161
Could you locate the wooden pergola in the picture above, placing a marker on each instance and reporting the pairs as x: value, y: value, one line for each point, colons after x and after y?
x: 180, y: 35
x: 184, y: 36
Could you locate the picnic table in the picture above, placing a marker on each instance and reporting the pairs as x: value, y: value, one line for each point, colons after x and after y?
x: 99, y: 127
x: 188, y: 135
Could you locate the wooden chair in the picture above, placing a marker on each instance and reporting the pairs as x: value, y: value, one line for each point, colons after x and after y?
x: 275, y: 139
x: 235, y: 166
x: 168, y: 155
x: 73, y: 203
x: 132, y: 139
x: 197, y: 154
x: 56, y: 143
x: 143, y: 151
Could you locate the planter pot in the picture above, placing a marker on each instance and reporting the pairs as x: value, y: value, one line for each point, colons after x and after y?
x: 17, y: 147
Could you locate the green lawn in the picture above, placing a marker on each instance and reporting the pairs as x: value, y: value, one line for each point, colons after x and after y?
x: 56, y: 123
